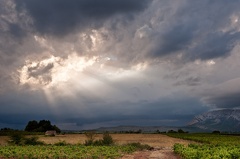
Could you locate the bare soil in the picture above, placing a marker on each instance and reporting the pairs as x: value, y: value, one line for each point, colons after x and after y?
x: 163, y: 146
x: 153, y: 154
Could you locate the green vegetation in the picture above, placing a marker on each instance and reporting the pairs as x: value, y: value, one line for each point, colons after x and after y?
x: 19, y: 139
x: 208, y: 151
x: 9, y: 132
x: 70, y: 151
x: 32, y: 128
x: 212, y: 146
x: 140, y: 146
x: 106, y: 141
x: 30, y: 147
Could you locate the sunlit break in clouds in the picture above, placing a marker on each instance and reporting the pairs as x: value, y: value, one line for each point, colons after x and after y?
x: 53, y: 71
x: 86, y: 63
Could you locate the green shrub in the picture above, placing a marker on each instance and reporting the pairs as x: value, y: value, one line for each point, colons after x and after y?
x: 89, y: 142
x: 140, y: 146
x: 90, y: 137
x: 32, y: 141
x: 107, y: 139
x: 19, y: 139
x: 61, y: 143
x: 16, y: 139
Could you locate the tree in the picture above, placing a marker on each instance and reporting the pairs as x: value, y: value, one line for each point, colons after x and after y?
x: 44, y: 125
x: 56, y: 128
x: 32, y: 125
x: 180, y: 131
x: 41, y: 126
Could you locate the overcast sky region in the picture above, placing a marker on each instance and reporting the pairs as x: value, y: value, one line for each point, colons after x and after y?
x: 86, y: 64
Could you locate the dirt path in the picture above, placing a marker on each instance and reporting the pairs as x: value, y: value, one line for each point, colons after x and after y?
x: 163, y: 148
x: 165, y: 153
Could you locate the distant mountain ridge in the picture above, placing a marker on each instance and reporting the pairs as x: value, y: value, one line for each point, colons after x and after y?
x: 144, y: 129
x: 227, y: 120
x: 147, y: 129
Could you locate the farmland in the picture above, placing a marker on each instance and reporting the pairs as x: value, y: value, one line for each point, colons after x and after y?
x: 210, y: 146
x: 188, y: 146
x: 74, y: 147
x: 69, y: 151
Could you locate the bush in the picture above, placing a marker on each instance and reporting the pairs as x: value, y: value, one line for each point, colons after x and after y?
x: 88, y: 142
x: 107, y: 139
x: 19, y: 139
x: 180, y: 131
x: 33, y: 141
x: 140, y: 146
x: 216, y: 132
x: 90, y: 137
x: 61, y: 143
x: 16, y: 139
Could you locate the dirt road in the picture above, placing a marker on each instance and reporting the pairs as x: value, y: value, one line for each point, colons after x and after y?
x: 163, y: 147
x: 164, y: 153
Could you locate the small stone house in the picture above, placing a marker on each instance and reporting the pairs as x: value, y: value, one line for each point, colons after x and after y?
x: 51, y: 133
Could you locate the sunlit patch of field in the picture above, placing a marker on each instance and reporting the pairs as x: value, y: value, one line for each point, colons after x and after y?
x: 155, y: 140
x: 3, y: 140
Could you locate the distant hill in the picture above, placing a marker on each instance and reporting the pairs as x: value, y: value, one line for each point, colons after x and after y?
x: 146, y: 129
x: 224, y: 120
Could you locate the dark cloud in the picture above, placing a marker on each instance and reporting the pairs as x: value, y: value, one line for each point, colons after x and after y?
x: 164, y: 112
x: 215, y: 45
x: 16, y: 31
x: 41, y: 72
x: 224, y: 95
x: 154, y: 61
x: 176, y: 38
x: 59, y: 17
x: 34, y: 106
x: 190, y: 81
x: 198, y: 30
x: 231, y: 100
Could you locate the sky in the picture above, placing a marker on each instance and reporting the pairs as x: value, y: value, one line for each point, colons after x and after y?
x: 84, y: 64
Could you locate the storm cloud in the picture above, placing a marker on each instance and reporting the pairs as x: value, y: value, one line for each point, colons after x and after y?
x: 89, y: 63
x: 224, y: 95
x: 59, y: 17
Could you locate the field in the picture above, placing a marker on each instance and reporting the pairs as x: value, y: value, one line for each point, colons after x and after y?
x: 162, y: 146
x: 188, y: 146
x: 155, y: 140
x: 68, y: 151
x: 212, y: 146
